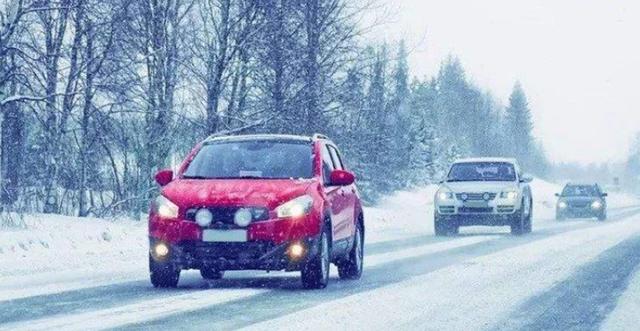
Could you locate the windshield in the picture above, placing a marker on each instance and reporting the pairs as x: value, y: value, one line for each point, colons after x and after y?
x: 579, y: 191
x: 260, y: 159
x: 482, y: 171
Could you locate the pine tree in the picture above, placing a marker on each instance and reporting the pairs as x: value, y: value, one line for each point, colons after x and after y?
x: 519, y: 126
x: 399, y: 121
x: 452, y: 105
x: 423, y: 153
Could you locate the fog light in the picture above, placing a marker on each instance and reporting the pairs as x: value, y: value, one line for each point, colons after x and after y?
x: 161, y: 250
x: 204, y: 217
x: 296, y: 251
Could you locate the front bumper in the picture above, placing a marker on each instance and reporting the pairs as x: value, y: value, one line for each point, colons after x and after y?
x: 477, y: 219
x: 250, y: 255
x: 495, y: 212
x: 573, y: 212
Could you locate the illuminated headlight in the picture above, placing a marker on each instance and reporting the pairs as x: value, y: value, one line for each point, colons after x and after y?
x: 562, y: 205
x: 445, y: 195
x: 295, y: 208
x: 164, y: 208
x: 509, y: 195
x: 596, y: 205
x: 204, y: 217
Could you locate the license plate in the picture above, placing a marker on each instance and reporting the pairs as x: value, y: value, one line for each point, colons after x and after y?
x: 224, y: 235
x: 476, y: 204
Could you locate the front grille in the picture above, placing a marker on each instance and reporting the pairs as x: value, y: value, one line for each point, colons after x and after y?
x: 223, y: 216
x: 578, y: 204
x: 476, y: 196
x: 231, y: 251
x: 447, y: 209
x: 505, y: 209
x: 475, y: 210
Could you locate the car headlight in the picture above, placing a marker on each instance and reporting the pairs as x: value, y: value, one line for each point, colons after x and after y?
x: 164, y: 208
x: 295, y: 208
x: 509, y: 195
x: 562, y: 205
x: 444, y: 195
x: 596, y: 205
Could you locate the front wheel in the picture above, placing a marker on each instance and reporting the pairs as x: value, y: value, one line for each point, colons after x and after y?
x: 518, y: 226
x: 444, y: 228
x: 528, y: 225
x: 163, y: 274
x: 602, y: 217
x: 352, y: 267
x: 211, y: 273
x: 315, y: 273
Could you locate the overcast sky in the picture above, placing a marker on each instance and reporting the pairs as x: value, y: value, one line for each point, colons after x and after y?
x: 578, y: 60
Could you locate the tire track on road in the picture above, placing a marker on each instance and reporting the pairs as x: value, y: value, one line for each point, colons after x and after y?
x: 280, y: 300
x: 583, y: 301
x: 86, y: 300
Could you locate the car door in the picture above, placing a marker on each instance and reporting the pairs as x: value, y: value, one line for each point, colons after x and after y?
x: 348, y: 193
x: 334, y: 197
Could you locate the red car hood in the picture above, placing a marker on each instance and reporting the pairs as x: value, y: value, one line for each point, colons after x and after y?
x: 269, y: 193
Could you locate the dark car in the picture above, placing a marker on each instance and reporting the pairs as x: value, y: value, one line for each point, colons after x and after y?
x: 581, y: 200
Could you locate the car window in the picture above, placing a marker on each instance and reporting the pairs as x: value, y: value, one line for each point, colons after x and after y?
x: 337, y: 161
x: 482, y: 171
x: 327, y: 164
x: 580, y: 191
x: 269, y: 159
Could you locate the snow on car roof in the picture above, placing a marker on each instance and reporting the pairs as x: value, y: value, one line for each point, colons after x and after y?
x: 581, y: 184
x: 485, y: 159
x: 259, y: 137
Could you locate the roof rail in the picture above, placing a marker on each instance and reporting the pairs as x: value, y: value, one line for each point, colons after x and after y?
x: 319, y: 136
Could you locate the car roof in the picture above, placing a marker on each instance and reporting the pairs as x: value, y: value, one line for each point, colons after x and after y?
x: 581, y: 184
x: 246, y: 137
x: 486, y: 159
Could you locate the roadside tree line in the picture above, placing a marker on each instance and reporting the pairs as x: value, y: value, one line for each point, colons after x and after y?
x: 95, y: 96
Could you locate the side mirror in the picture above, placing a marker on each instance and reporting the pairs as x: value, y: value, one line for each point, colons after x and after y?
x: 605, y: 195
x: 557, y: 194
x: 164, y: 177
x: 341, y: 178
x: 526, y: 178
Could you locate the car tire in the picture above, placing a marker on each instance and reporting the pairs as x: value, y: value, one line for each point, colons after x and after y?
x: 439, y: 227
x: 518, y: 223
x: 560, y: 217
x: 602, y: 217
x: 315, y: 273
x: 163, y: 274
x: 529, y: 221
x: 442, y: 228
x: 211, y: 273
x: 352, y: 267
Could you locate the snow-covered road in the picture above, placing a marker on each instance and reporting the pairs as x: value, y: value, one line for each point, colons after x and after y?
x: 575, y: 274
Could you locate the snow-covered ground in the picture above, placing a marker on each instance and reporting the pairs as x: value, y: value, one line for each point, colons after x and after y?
x: 412, y: 280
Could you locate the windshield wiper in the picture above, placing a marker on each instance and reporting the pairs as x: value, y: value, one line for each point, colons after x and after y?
x: 231, y: 177
x: 197, y: 177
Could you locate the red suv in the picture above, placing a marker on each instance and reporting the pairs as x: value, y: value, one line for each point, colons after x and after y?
x: 266, y: 202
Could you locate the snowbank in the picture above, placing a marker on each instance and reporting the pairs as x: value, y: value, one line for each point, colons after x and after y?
x: 55, y: 242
